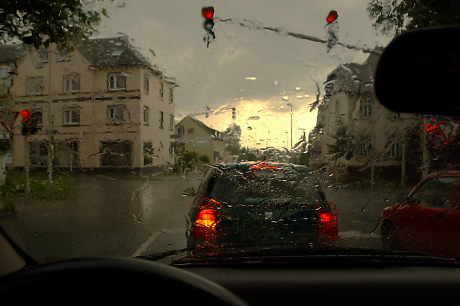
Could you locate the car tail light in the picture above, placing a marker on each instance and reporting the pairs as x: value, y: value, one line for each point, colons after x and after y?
x: 326, y: 217
x: 206, y: 218
x: 327, y: 227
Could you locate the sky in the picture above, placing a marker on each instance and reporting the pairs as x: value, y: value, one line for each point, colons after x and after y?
x: 256, y: 71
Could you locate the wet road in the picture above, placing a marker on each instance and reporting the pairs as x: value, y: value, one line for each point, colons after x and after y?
x: 111, y: 216
x: 131, y: 216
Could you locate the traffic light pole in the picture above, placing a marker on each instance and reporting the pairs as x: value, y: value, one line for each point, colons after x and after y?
x: 50, y: 121
x: 26, y: 165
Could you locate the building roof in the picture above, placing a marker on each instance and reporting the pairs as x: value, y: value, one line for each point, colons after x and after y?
x: 356, y: 78
x: 101, y: 53
x: 208, y: 129
x: 110, y: 52
x: 10, y: 53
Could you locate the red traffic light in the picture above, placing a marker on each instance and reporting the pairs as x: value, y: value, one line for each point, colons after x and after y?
x: 207, y: 12
x: 25, y: 113
x: 332, y: 16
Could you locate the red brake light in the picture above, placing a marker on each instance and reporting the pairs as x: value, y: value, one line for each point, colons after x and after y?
x: 207, y: 12
x: 206, y: 218
x: 332, y: 16
x: 328, y: 229
x: 326, y: 217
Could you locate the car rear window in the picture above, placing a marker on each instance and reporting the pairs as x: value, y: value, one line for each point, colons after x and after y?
x: 255, y: 186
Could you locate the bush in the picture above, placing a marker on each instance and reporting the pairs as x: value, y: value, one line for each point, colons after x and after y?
x: 61, y: 188
x: 204, y: 159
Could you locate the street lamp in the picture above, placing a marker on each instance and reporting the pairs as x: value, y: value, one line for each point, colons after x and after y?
x: 290, y: 105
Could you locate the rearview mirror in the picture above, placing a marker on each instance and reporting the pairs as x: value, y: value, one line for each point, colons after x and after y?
x: 419, y: 72
x: 189, y: 192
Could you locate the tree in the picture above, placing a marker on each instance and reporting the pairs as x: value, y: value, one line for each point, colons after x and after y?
x: 204, y: 159
x: 232, y: 136
x: 41, y: 22
x: 344, y: 143
x: 190, y: 157
x: 405, y: 15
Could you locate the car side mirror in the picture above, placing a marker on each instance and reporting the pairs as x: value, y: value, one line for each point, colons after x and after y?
x: 189, y: 192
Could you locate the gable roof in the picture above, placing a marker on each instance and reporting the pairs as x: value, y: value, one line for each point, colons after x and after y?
x: 355, y: 78
x: 206, y: 128
x: 112, y: 52
x: 101, y: 53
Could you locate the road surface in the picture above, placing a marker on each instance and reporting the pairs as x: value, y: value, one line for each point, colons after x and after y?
x: 132, y: 216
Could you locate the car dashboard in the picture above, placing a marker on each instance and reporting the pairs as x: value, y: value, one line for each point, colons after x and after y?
x: 334, y: 285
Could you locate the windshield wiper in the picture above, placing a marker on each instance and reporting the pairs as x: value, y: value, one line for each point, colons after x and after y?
x: 295, y: 255
x: 306, y: 255
x: 162, y: 255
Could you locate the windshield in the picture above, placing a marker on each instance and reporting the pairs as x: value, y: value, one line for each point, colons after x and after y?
x: 132, y: 128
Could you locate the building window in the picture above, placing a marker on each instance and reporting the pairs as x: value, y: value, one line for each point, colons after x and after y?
x: 171, y: 122
x: 63, y: 55
x: 365, y: 146
x: 116, y: 81
x: 393, y: 148
x: 162, y: 120
x: 148, y: 153
x: 171, y: 96
x: 43, y: 55
x: 146, y: 83
x: 190, y: 131
x: 366, y: 106
x: 71, y: 116
x: 72, y: 82
x: 161, y: 91
x: 181, y: 130
x: 116, y: 114
x: 146, y: 113
x: 34, y: 86
x: 116, y: 154
x: 38, y: 153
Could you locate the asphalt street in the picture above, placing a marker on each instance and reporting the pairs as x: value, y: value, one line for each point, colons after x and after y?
x: 132, y: 216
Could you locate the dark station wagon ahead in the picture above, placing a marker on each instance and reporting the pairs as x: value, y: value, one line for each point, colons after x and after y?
x: 247, y: 204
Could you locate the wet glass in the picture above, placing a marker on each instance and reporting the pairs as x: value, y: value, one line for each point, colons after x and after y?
x: 266, y: 84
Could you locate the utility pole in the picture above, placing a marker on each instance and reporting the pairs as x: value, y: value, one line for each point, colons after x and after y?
x: 50, y: 120
x: 290, y: 105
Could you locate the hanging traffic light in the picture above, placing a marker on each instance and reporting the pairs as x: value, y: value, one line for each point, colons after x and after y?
x: 25, y: 114
x: 207, y: 12
x: 332, y: 28
x: 29, y: 122
x: 208, y: 24
x: 332, y: 16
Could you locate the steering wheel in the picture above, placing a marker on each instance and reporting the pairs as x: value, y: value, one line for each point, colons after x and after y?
x: 109, y: 279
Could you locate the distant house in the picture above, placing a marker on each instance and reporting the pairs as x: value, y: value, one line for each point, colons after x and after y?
x: 356, y: 135
x: 195, y: 136
x: 110, y: 106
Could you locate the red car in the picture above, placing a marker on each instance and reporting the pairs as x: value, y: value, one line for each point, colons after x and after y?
x: 428, y: 219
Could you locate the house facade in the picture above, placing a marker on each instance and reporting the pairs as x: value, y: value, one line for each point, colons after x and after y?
x: 195, y: 136
x: 355, y: 136
x: 109, y: 106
